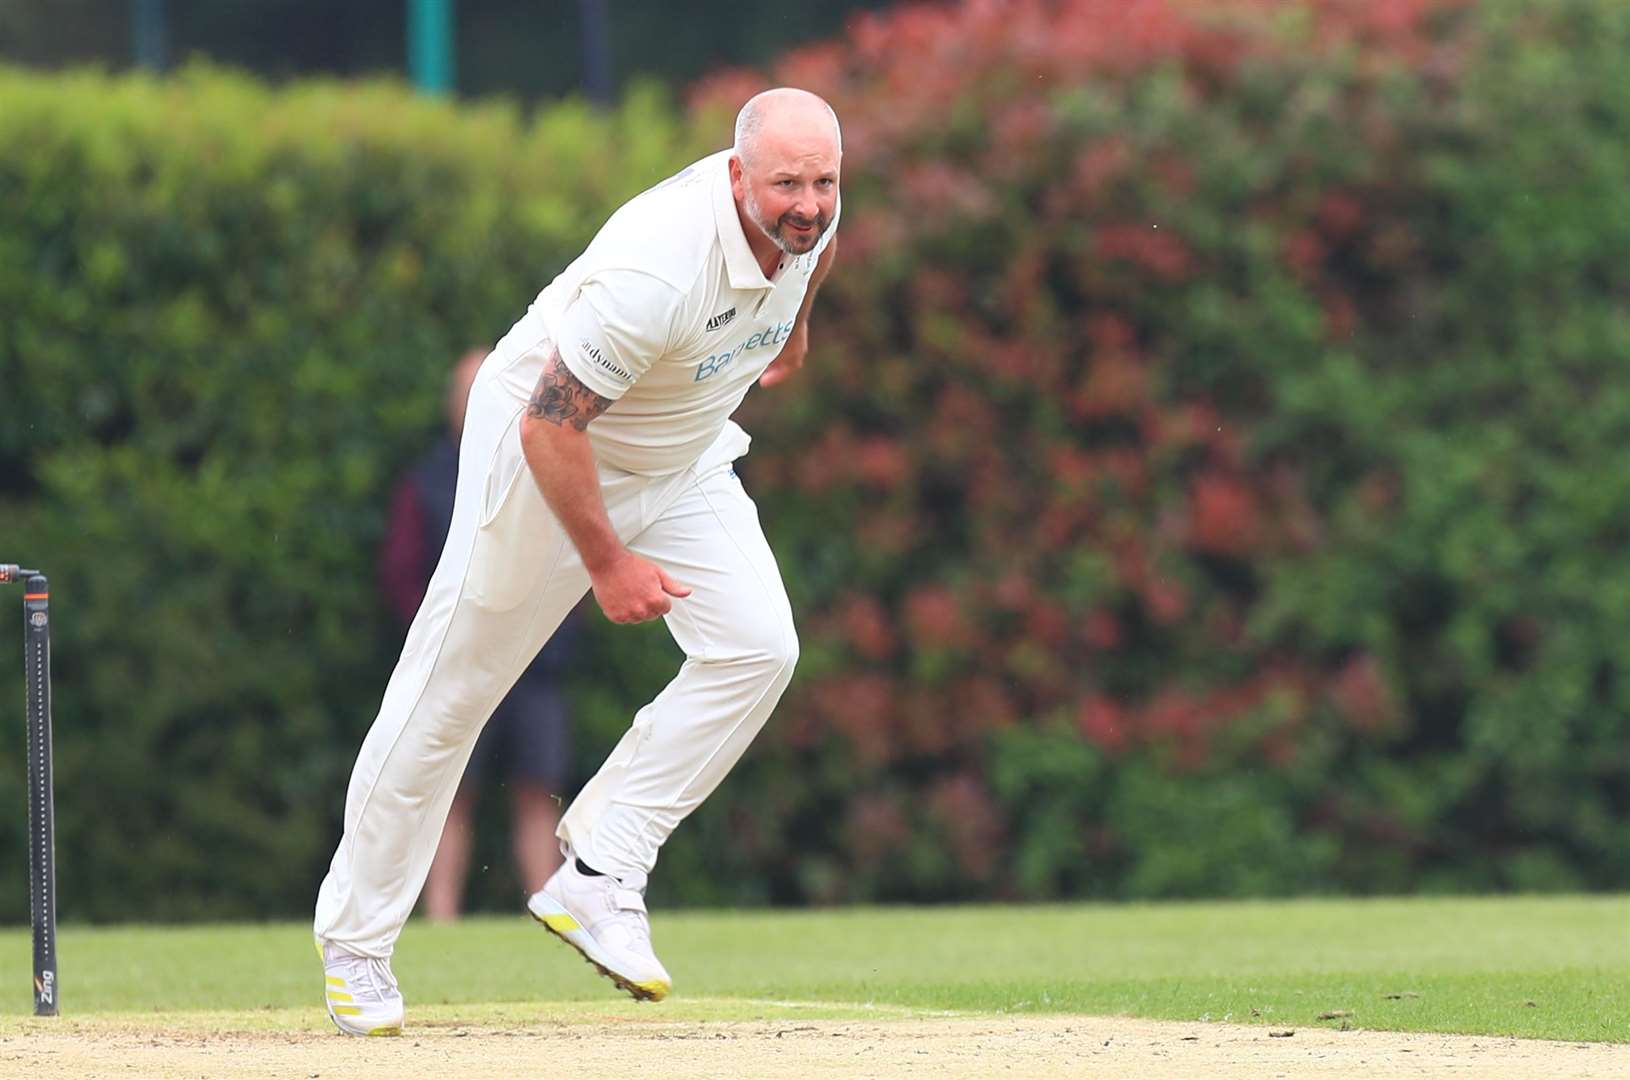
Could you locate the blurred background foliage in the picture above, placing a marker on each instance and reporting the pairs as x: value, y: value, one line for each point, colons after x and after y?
x: 528, y: 49
x: 1211, y: 475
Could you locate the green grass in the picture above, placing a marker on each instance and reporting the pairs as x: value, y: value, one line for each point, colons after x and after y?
x: 1544, y: 967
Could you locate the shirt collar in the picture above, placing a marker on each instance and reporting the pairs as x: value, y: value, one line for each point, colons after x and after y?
x: 739, y: 261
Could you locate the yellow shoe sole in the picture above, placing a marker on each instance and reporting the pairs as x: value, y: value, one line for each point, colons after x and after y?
x: 559, y: 925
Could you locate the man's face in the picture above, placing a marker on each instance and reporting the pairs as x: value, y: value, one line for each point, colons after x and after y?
x: 789, y: 189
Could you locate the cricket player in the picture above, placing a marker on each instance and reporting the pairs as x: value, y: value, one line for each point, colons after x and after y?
x: 597, y: 456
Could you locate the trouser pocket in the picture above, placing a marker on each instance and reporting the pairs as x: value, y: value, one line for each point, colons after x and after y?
x: 516, y: 531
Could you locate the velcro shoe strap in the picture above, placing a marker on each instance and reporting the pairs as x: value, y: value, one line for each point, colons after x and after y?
x: 628, y: 900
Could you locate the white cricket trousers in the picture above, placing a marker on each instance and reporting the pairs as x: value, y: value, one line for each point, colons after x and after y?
x: 507, y: 578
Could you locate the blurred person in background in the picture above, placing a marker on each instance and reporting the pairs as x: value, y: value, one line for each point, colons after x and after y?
x: 527, y: 741
x: 598, y: 456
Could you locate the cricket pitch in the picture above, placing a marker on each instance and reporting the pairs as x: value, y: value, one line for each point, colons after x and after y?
x: 944, y: 1048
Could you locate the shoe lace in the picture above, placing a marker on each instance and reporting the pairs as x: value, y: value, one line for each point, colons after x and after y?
x: 367, y: 977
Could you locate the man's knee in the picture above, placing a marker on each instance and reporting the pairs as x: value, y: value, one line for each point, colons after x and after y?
x: 770, y: 644
x: 462, y: 698
x: 786, y: 656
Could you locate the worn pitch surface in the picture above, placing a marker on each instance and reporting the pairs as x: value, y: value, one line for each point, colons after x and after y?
x: 941, y: 1047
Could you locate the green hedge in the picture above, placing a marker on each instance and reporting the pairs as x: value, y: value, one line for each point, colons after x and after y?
x: 1209, y: 478
x: 228, y: 315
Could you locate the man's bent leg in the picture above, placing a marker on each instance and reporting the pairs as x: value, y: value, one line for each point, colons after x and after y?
x: 737, y: 633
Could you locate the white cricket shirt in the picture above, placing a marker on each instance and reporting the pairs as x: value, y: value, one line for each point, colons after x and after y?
x: 668, y: 313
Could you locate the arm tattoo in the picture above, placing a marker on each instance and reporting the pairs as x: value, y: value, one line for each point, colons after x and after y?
x: 561, y: 398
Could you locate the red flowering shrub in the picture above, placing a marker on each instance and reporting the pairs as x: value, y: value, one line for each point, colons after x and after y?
x: 1194, y: 404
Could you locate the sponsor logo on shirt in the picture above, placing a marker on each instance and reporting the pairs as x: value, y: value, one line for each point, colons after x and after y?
x: 688, y: 172
x: 721, y: 320
x: 592, y: 352
x: 716, y: 363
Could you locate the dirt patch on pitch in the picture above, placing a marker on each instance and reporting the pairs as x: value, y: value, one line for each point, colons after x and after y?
x: 952, y: 1048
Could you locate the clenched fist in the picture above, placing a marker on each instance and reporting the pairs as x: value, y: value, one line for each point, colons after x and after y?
x: 635, y: 590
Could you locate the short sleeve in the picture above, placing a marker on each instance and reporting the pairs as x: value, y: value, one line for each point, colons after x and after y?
x: 618, y: 325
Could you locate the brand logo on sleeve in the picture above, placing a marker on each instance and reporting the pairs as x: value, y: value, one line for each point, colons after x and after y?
x: 592, y: 352
x: 721, y: 320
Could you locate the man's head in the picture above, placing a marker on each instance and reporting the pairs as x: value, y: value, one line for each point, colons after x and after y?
x: 458, y: 387
x: 784, y: 168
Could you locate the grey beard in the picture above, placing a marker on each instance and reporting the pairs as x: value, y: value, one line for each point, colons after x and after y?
x: 772, y: 231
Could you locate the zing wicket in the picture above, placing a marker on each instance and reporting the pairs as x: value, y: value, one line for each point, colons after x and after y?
x: 42, y: 873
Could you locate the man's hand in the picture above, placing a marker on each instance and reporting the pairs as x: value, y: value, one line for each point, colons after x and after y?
x: 790, y: 359
x: 633, y: 590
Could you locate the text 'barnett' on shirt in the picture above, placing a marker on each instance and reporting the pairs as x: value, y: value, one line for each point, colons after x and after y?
x: 716, y: 363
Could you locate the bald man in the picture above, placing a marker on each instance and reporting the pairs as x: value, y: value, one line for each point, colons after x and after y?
x: 597, y: 457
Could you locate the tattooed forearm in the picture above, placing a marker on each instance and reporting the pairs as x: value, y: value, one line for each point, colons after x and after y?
x: 562, y: 399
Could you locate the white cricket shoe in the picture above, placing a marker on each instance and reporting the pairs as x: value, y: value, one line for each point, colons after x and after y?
x: 605, y: 920
x: 361, y: 992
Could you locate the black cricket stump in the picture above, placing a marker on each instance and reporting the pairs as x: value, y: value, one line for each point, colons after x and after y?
x: 42, y: 873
